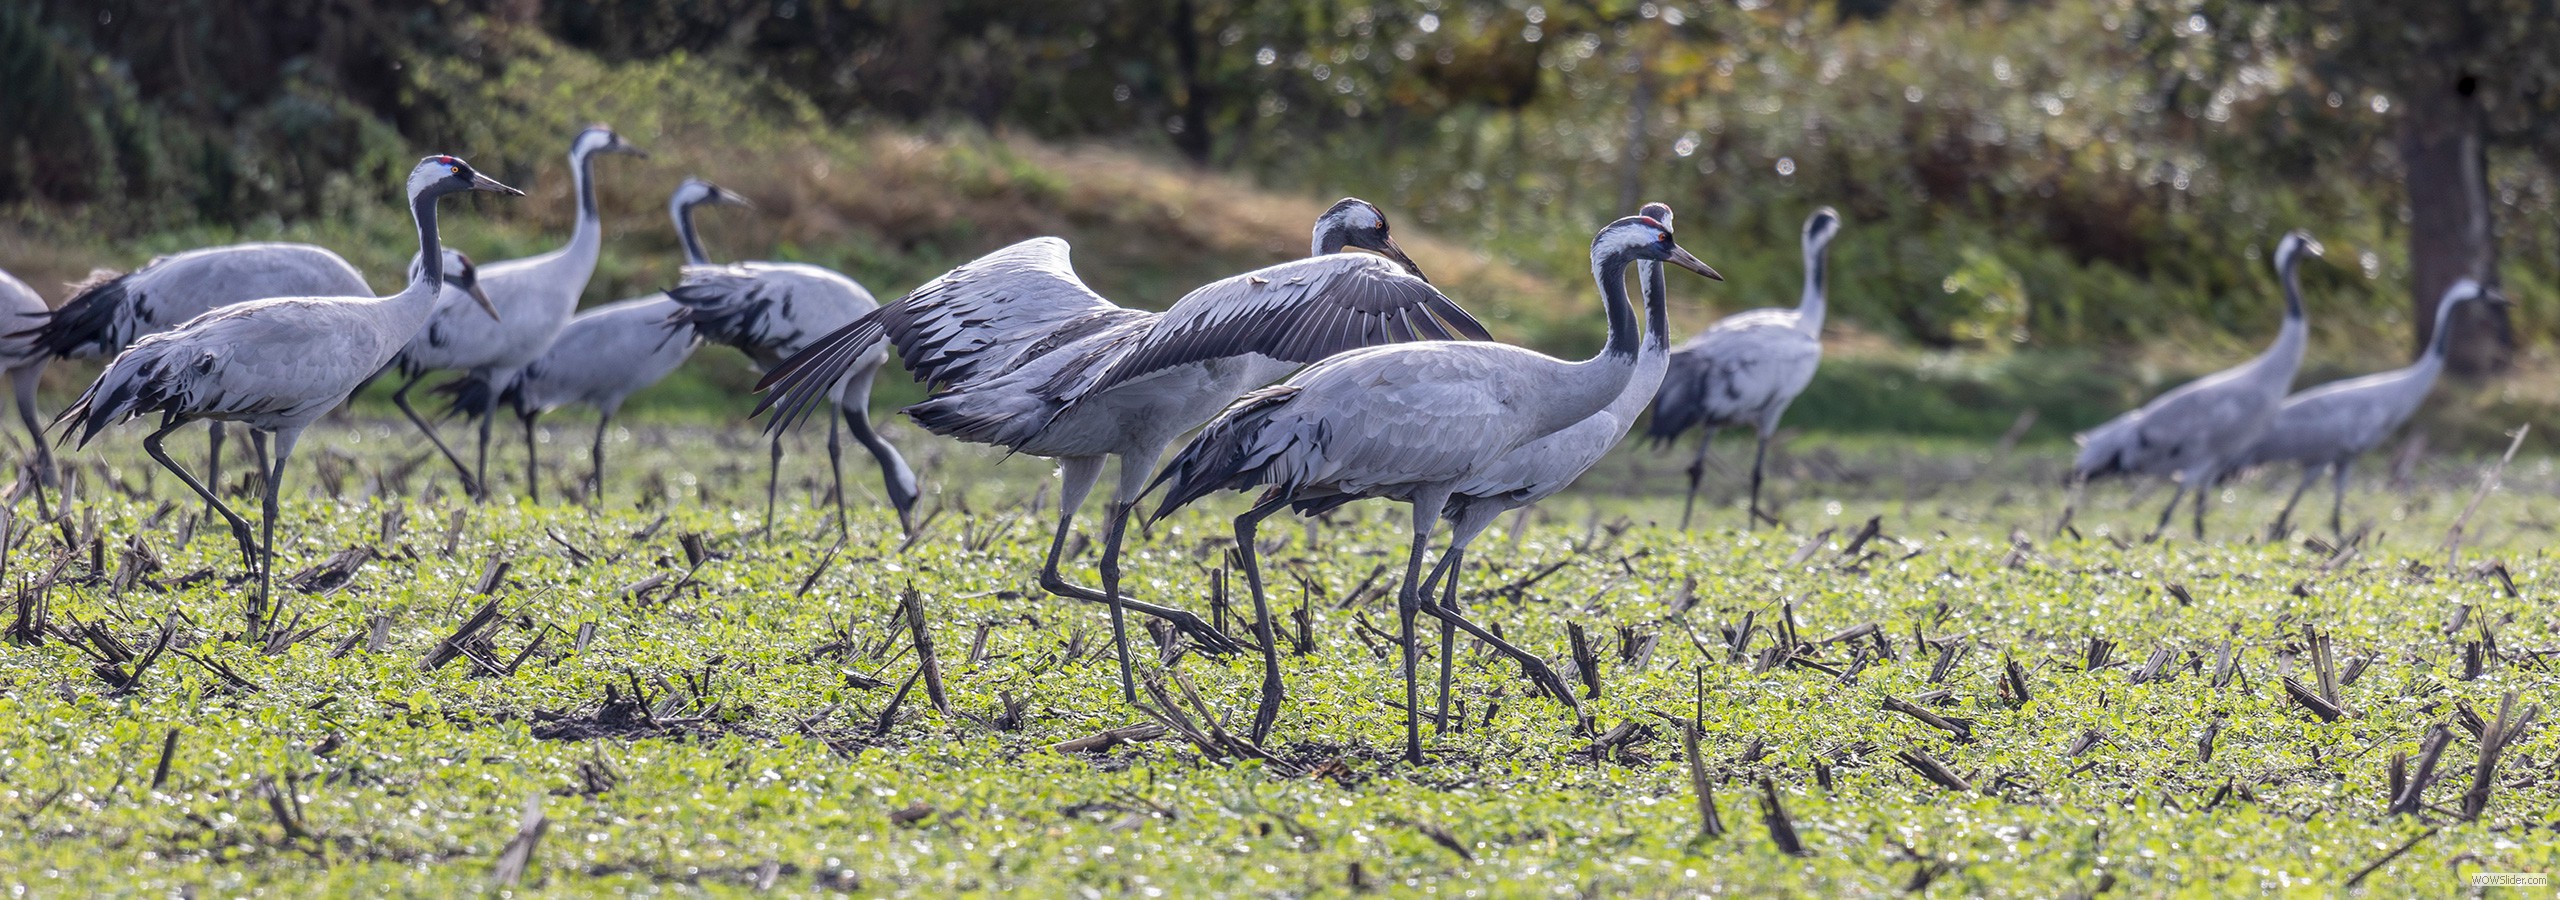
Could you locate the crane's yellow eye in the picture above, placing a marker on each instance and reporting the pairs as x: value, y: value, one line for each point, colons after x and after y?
x: 457, y: 170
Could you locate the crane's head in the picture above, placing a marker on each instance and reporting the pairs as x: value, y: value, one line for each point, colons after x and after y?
x: 600, y: 139
x: 1820, y: 228
x: 460, y: 275
x: 440, y: 175
x: 697, y: 192
x: 1657, y: 211
x: 2465, y: 290
x: 2291, y: 247
x: 1636, y: 238
x: 1356, y: 224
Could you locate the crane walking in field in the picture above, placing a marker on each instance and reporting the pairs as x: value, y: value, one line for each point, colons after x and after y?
x: 606, y: 354
x: 772, y: 311
x: 1417, y: 423
x: 24, y: 360
x: 274, y: 365
x: 1529, y: 473
x: 110, y: 311
x: 2328, y: 426
x: 2200, y: 430
x: 1746, y: 369
x: 534, y: 298
x: 1026, y: 357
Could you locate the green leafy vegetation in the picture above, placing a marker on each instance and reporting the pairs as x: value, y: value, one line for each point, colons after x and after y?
x: 691, y: 705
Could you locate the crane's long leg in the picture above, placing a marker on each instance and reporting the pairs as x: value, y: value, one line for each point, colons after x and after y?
x: 1453, y: 563
x: 1426, y: 517
x: 835, y: 462
x: 284, y: 441
x: 1759, y: 458
x: 480, y: 472
x: 1447, y: 568
x: 22, y: 382
x: 2338, y: 498
x: 898, y: 481
x: 2196, y: 505
x: 596, y: 485
x: 256, y: 613
x: 1248, y: 559
x: 1697, y: 473
x: 1076, y: 478
x: 213, y: 455
x: 239, y: 526
x: 400, y: 398
x: 772, y: 483
x: 1124, y: 498
x: 2310, y: 473
x: 2072, y: 486
x: 2167, y: 511
x: 532, y: 458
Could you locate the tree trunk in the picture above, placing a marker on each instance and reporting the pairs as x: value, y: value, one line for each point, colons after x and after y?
x: 1194, y: 102
x: 2451, y: 235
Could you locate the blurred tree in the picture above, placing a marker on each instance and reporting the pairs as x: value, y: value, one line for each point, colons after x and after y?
x: 2460, y: 75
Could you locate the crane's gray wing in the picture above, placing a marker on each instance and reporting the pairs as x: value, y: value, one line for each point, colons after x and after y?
x: 980, y: 319
x: 1733, y: 375
x: 1297, y: 312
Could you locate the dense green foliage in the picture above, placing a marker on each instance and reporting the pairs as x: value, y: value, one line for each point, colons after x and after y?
x: 2069, y: 174
x: 776, y: 753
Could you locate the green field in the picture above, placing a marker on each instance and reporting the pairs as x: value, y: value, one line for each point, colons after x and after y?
x: 692, y: 706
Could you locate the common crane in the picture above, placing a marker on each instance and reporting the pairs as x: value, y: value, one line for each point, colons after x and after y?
x: 2198, y: 431
x: 773, y: 310
x: 1026, y: 357
x: 24, y: 359
x: 274, y: 365
x: 111, y: 310
x: 534, y: 298
x: 2328, y: 426
x: 1418, y: 422
x: 1747, y: 368
x: 606, y: 354
x: 1529, y: 473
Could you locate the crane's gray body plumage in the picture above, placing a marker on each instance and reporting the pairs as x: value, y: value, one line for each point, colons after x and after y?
x: 2201, y: 429
x: 773, y: 311
x: 607, y: 353
x: 1417, y: 422
x: 2327, y: 427
x: 1747, y: 368
x: 275, y: 365
x: 1023, y: 355
x: 23, y: 357
x: 109, y: 312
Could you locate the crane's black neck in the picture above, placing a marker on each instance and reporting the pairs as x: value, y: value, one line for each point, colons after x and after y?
x: 1657, y: 309
x: 1612, y: 273
x: 2292, y: 287
x: 693, y: 255
x: 422, y: 209
x: 582, y: 168
x: 2440, y: 341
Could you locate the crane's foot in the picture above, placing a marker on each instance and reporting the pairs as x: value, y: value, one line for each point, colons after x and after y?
x: 1759, y: 516
x: 1211, y: 640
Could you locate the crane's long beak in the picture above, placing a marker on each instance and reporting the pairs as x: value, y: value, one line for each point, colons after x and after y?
x: 481, y: 182
x: 1395, y: 252
x: 1680, y: 257
x: 727, y: 197
x: 483, y: 297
